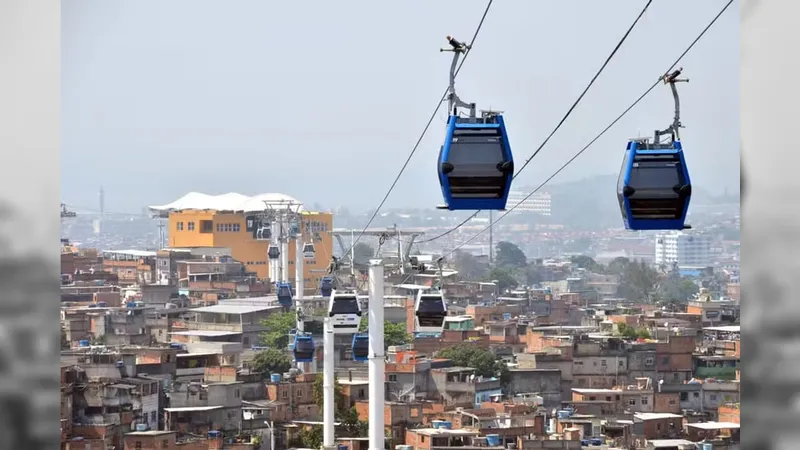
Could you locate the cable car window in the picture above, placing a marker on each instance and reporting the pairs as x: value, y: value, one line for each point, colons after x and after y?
x: 479, y: 150
x: 656, y: 175
x: 344, y: 305
x: 304, y: 345
x: 431, y: 305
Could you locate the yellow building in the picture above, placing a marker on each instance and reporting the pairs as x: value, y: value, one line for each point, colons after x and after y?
x: 232, y: 221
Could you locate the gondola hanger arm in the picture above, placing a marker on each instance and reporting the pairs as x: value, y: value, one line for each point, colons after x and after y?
x: 454, y: 102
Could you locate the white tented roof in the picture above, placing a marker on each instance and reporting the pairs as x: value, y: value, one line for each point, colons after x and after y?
x: 231, y: 201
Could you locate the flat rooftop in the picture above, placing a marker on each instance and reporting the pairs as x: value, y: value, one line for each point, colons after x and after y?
x: 234, y: 309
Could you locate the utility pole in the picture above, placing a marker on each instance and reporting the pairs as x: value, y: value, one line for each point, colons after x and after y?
x: 491, y: 240
x: 161, y: 234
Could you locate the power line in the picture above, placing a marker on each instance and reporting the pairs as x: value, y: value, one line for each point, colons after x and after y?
x: 424, y: 132
x: 563, y: 119
x: 603, y: 132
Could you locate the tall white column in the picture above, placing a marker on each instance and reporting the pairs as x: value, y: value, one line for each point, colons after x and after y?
x: 377, y: 359
x: 285, y: 260
x: 328, y: 380
x: 299, y: 273
x: 274, y: 264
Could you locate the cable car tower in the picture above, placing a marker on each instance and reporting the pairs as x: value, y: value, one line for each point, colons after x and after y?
x: 475, y: 164
x: 654, y: 188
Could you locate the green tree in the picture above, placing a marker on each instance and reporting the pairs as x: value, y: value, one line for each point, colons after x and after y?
x: 504, y: 277
x: 483, y: 361
x: 535, y: 273
x: 278, y: 325
x: 468, y: 267
x: 617, y: 265
x: 270, y: 361
x: 362, y: 253
x: 309, y: 437
x: 351, y: 425
x: 341, y: 400
x: 630, y: 332
x: 509, y: 255
x: 637, y: 281
x: 586, y: 262
x: 393, y: 333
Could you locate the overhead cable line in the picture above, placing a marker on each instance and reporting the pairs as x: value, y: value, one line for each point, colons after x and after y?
x: 563, y: 119
x: 422, y: 135
x: 603, y: 132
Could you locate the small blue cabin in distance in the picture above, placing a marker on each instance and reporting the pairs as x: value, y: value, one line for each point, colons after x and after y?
x: 475, y: 164
x: 654, y: 188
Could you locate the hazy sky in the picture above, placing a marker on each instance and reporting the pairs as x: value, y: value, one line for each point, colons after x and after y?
x: 324, y: 100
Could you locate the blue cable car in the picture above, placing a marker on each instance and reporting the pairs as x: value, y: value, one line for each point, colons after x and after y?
x: 284, y: 294
x: 360, y: 347
x: 326, y: 286
x: 475, y: 163
x: 303, y: 348
x: 654, y: 188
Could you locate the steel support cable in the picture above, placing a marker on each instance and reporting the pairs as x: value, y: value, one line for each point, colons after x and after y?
x: 614, y: 122
x: 563, y: 119
x: 424, y: 132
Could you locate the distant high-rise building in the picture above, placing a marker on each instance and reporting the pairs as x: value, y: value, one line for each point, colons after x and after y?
x: 537, y: 203
x: 686, y: 249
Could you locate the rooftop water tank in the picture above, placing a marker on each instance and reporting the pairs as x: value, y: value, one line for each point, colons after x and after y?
x: 436, y: 424
x: 275, y: 378
x: 493, y: 440
x: 214, y: 434
x: 141, y: 427
x: 446, y: 425
x: 83, y: 343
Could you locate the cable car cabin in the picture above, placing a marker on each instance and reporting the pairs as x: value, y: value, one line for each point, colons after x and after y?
x: 654, y: 187
x: 475, y: 164
x: 430, y: 312
x: 326, y: 286
x: 285, y: 294
x: 308, y: 251
x: 345, y: 312
x: 273, y: 252
x: 303, y: 348
x: 360, y: 347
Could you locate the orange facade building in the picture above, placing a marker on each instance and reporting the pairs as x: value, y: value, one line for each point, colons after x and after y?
x: 198, y: 220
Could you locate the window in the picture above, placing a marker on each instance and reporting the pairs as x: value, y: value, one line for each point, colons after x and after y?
x: 684, y: 396
x: 165, y: 443
x: 665, y: 360
x: 696, y: 394
x: 154, y: 417
x: 632, y: 402
x: 644, y: 400
x: 191, y: 226
x: 206, y: 226
x: 361, y: 393
x: 179, y: 226
x: 712, y: 397
x: 137, y: 445
x: 603, y: 363
x: 393, y: 378
x: 621, y: 363
x: 608, y: 398
x: 236, y: 393
x: 658, y: 427
x: 285, y: 394
x: 237, y: 228
x: 219, y: 227
x: 298, y: 393
x: 672, y: 401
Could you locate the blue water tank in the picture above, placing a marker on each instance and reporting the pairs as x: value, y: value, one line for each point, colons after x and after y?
x: 275, y: 378
x: 493, y: 440
x: 101, y: 304
x: 437, y: 423
x: 175, y: 345
x: 83, y: 343
x: 141, y: 427
x: 506, y: 316
x: 563, y: 414
x: 706, y: 446
x: 130, y: 305
x: 447, y: 425
x: 214, y: 434
x: 342, y: 447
